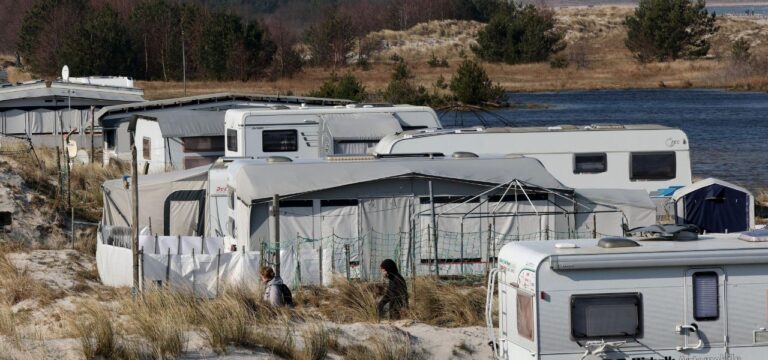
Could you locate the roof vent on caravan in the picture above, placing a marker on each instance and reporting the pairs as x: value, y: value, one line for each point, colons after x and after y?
x: 278, y: 107
x: 604, y: 127
x: 513, y: 156
x: 616, y: 242
x: 278, y: 159
x: 754, y: 235
x: 464, y: 155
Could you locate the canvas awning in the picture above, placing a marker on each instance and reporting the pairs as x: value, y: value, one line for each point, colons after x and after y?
x: 165, y: 200
x: 636, y: 205
x: 257, y: 180
x: 368, y: 126
x: 188, y: 123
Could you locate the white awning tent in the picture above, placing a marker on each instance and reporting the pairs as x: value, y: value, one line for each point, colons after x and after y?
x: 171, y: 203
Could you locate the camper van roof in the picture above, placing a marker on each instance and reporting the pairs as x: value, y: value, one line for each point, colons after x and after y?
x: 532, y: 129
x: 241, y: 113
x: 585, y: 254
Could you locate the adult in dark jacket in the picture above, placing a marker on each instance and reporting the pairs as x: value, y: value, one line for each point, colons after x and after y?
x: 395, y: 299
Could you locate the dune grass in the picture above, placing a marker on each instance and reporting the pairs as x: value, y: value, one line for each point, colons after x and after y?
x: 392, y: 345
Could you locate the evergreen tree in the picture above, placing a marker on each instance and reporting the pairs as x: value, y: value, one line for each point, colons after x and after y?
x: 332, y: 40
x: 341, y: 87
x: 99, y: 46
x: 519, y: 35
x: 471, y: 85
x: 664, y: 30
x: 45, y: 28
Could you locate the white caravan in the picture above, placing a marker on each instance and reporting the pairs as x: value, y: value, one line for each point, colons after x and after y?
x: 617, y: 298
x: 312, y: 133
x: 649, y: 157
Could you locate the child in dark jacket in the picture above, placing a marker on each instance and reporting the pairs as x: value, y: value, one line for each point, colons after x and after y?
x: 395, y: 298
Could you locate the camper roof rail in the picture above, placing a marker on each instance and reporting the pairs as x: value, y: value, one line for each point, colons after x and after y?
x: 604, y: 126
x: 410, y: 155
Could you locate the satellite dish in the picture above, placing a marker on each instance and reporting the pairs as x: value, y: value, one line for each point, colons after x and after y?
x: 72, y: 149
x: 65, y: 73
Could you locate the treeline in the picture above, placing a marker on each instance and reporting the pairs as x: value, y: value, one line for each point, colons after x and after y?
x: 218, y: 40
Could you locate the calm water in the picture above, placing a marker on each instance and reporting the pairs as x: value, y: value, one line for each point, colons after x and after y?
x: 728, y: 131
x: 739, y: 9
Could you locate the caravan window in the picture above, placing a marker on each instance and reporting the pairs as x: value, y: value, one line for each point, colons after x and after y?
x: 589, y: 163
x: 280, y: 140
x: 525, y: 315
x: 652, y: 166
x: 232, y: 140
x: 598, y: 316
x: 146, y: 149
x: 705, y: 296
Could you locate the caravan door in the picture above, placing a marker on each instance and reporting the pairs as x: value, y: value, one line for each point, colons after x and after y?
x: 704, y: 328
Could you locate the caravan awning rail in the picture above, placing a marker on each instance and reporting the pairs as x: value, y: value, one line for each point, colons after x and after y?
x: 657, y: 259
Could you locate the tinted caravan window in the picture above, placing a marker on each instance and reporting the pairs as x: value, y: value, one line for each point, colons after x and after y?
x: 598, y: 316
x: 232, y: 140
x: 652, y: 166
x: 525, y: 316
x: 706, y: 304
x: 589, y: 163
x: 280, y: 140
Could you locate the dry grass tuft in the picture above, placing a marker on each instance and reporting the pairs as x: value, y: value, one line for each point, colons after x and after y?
x: 394, y: 345
x: 8, y: 324
x: 93, y: 326
x: 227, y: 321
x: 353, y: 302
x: 318, y: 341
x: 16, y: 285
x: 442, y: 304
x: 160, y: 317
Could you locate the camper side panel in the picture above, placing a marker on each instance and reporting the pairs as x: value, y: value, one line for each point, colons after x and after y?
x: 661, y: 308
x: 150, y: 147
x: 747, y: 293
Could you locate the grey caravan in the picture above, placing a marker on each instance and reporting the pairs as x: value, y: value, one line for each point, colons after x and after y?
x: 617, y: 298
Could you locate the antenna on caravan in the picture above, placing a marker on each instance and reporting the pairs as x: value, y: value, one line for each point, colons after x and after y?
x: 65, y: 73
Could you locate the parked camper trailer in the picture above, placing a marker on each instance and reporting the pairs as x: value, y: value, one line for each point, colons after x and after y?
x: 649, y: 157
x: 318, y: 132
x: 617, y: 298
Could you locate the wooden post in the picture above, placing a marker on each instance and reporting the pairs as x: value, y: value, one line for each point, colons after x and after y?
x: 135, y: 212
x: 58, y: 170
x: 594, y: 226
x: 434, y: 227
x: 461, y: 247
x: 93, y: 130
x: 218, y: 267
x: 276, y: 235
x: 346, y: 260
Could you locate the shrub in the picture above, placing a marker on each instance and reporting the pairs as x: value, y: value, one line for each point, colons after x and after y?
x: 401, y: 90
x: 519, y: 35
x: 341, y: 87
x: 740, y: 51
x: 472, y: 86
x: 559, y: 62
x: 436, y: 62
x: 661, y: 30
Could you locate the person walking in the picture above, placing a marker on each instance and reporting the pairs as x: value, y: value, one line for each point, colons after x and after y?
x: 276, y: 293
x: 395, y: 298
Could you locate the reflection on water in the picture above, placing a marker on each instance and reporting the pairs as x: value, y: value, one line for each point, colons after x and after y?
x: 728, y: 131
